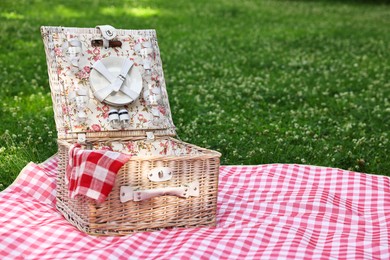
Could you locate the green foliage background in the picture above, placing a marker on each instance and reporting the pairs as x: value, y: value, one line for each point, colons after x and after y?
x: 260, y: 81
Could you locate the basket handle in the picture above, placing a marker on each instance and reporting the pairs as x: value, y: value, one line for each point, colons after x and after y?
x: 128, y: 193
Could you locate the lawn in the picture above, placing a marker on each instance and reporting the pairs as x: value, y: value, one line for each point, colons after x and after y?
x: 302, y: 82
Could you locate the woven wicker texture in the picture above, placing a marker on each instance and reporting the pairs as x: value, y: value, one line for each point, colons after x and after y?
x: 188, y: 163
x: 115, y: 218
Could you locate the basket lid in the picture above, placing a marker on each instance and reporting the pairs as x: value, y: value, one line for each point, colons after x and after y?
x: 106, y: 82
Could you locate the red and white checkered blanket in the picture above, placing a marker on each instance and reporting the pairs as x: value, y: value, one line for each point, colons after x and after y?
x: 273, y: 211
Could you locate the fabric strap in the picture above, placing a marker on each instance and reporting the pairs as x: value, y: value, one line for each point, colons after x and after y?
x: 108, y: 33
x: 116, y: 83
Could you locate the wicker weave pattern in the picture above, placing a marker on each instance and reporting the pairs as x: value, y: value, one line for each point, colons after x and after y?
x: 190, y: 164
x: 115, y: 218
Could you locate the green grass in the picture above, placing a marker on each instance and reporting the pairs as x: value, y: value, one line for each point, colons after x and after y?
x: 260, y: 81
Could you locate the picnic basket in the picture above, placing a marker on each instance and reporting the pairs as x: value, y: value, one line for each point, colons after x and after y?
x: 178, y: 181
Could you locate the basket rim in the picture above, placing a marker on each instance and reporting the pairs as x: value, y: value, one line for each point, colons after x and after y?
x: 121, y: 32
x: 205, y: 153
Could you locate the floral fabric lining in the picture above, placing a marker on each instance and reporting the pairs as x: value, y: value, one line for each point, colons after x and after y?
x: 163, y: 147
x: 73, y: 76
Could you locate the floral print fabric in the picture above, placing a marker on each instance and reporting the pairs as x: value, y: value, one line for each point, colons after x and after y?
x: 73, y: 66
x: 160, y: 147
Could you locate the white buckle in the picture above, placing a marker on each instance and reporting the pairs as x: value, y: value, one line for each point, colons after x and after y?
x: 81, y: 138
x: 121, y: 77
x: 108, y: 32
x: 150, y: 136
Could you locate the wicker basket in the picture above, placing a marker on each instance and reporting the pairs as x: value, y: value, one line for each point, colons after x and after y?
x: 155, y: 148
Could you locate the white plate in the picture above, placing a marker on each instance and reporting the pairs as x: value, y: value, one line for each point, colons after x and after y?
x: 114, y: 65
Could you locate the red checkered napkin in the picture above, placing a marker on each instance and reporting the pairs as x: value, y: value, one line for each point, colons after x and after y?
x: 92, y: 172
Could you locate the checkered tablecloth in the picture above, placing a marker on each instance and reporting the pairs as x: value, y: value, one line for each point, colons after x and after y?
x: 273, y: 211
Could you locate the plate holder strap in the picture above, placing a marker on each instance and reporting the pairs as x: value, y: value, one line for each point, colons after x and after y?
x: 116, y: 83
